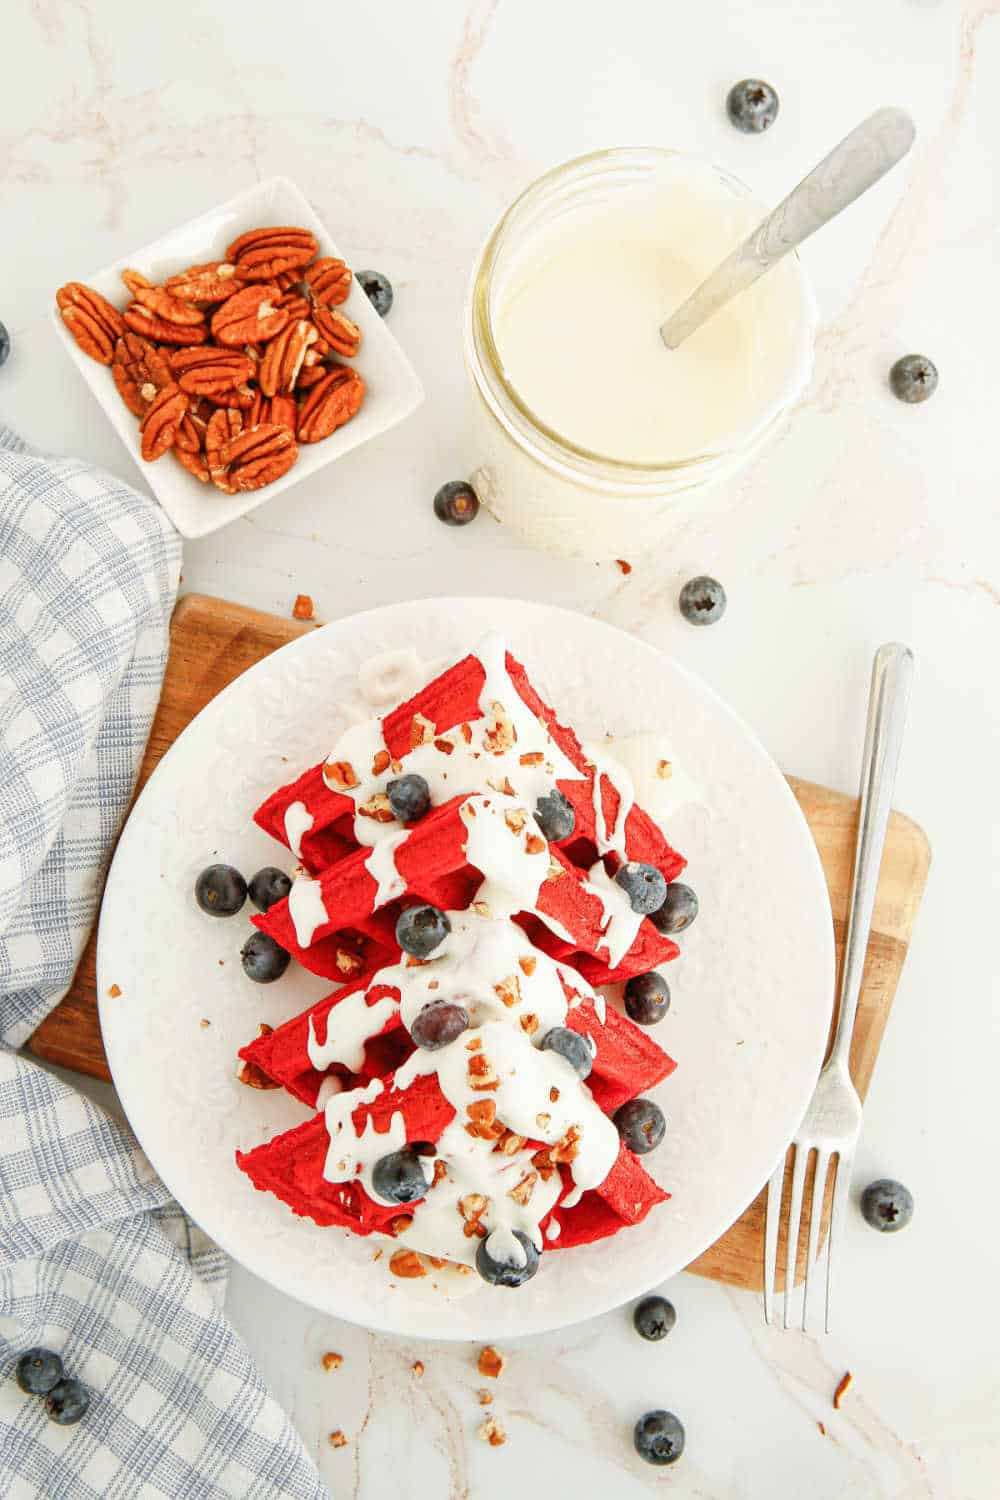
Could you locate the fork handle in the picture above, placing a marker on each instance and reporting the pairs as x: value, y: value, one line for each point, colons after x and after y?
x: 892, y: 673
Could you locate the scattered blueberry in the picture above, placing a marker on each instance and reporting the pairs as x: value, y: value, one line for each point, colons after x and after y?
x: 702, y: 600
x: 438, y: 1023
x: 679, y: 908
x: 4, y: 345
x: 644, y: 886
x: 659, y: 1437
x: 572, y: 1046
x: 555, y: 816
x: 421, y: 929
x: 377, y: 288
x: 456, y: 503
x: 887, y: 1205
x: 264, y: 960
x: 647, y: 998
x: 654, y: 1317
x: 67, y: 1402
x: 913, y: 378
x: 640, y: 1124
x: 220, y: 890
x: 507, y: 1272
x: 399, y: 1177
x: 38, y: 1370
x: 409, y: 797
x: 752, y: 105
x: 268, y: 887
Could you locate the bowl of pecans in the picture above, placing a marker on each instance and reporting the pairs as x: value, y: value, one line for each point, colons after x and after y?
x: 235, y: 356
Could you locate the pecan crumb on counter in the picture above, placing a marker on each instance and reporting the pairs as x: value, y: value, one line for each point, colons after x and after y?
x: 417, y: 1368
x: 332, y: 1361
x: 846, y: 1382
x: 822, y: 1429
x: 491, y: 1363
x: 303, y: 609
x: 491, y: 1432
x: 203, y: 1023
x: 114, y: 992
x: 485, y: 1397
x: 337, y: 1439
x: 626, y: 567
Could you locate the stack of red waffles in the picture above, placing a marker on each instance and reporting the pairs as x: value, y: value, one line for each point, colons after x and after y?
x: 486, y: 743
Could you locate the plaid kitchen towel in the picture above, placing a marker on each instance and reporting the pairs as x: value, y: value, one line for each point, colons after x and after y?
x: 96, y: 1262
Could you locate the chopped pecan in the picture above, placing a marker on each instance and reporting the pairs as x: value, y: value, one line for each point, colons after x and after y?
x: 472, y: 1206
x: 522, y: 1191
x: 421, y: 730
x: 567, y: 1149
x: 445, y: 746
x: 491, y: 1432
x: 302, y: 609
x: 333, y: 400
x: 407, y: 1264
x: 381, y: 762
x: 254, y: 1077
x: 481, y: 1073
x: 485, y: 1397
x: 210, y: 372
x: 213, y: 281
x: 252, y: 314
x: 279, y: 369
x: 258, y: 456
x: 158, y: 428
x: 533, y: 758
x: 515, y: 818
x: 337, y: 1439
x: 348, y: 962
x: 508, y: 991
x: 500, y: 734
x: 500, y: 784
x: 341, y: 332
x: 527, y: 964
x: 332, y: 1361
x: 529, y: 1023
x: 91, y: 319
x: 664, y: 770
x: 543, y: 1120
x: 490, y: 1363
x: 340, y: 774
x: 543, y: 1163
x: 329, y: 281
x: 534, y: 844
x: 440, y: 1171
x: 224, y: 424
x: 262, y: 254
x: 377, y: 807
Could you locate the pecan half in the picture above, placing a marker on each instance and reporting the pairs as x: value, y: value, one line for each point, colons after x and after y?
x: 188, y: 438
x: 142, y: 320
x: 224, y: 424
x: 279, y: 369
x: 213, y: 281
x: 210, y: 372
x: 407, y: 1263
x: 262, y: 254
x: 329, y: 281
x: 158, y: 428
x: 311, y: 374
x: 258, y: 456
x: 295, y: 304
x: 195, y: 463
x: 160, y: 302
x: 139, y: 371
x: 334, y: 400
x: 341, y: 333
x: 91, y: 319
x: 252, y: 314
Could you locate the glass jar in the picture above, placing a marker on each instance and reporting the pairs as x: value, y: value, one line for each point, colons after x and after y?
x: 554, y: 493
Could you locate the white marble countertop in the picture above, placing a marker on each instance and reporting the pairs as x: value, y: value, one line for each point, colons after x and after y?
x: 410, y: 127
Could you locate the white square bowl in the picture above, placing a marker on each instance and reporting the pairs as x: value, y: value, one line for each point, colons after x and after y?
x: 392, y: 388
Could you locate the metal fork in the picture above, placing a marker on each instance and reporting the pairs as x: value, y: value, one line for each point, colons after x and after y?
x: 833, y: 1120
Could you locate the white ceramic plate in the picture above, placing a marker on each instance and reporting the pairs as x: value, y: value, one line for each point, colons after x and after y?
x: 752, y: 990
x: 393, y: 390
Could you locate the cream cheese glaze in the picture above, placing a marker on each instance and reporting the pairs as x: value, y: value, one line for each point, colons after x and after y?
x: 298, y: 821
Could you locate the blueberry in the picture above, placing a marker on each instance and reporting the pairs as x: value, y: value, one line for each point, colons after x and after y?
x: 67, y: 1402
x: 377, y: 288
x: 555, y: 816
x: 399, y: 1177
x: 644, y: 886
x: 409, y: 797
x: 264, y: 960
x: 679, y: 909
x: 640, y: 1124
x: 4, y: 345
x: 913, y: 378
x: 38, y: 1370
x: 647, y: 998
x: 659, y: 1438
x: 220, y: 890
x: 268, y: 887
x: 572, y: 1046
x: 887, y: 1205
x: 456, y: 503
x: 505, y: 1267
x: 421, y: 929
x: 752, y: 105
x: 702, y: 600
x: 439, y: 1023
x: 654, y: 1317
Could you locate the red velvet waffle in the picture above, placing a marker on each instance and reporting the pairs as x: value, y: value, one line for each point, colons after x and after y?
x: 568, y: 922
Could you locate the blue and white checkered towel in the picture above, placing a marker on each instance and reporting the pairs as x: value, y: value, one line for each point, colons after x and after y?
x: 96, y: 1262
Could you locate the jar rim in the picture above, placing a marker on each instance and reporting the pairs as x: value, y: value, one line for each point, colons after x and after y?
x: 546, y: 443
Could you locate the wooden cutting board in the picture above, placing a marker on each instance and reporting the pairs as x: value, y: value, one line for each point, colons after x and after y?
x: 212, y: 642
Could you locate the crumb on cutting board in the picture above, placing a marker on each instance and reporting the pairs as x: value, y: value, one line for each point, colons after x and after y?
x: 332, y: 1361
x: 302, y: 609
x: 846, y: 1381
